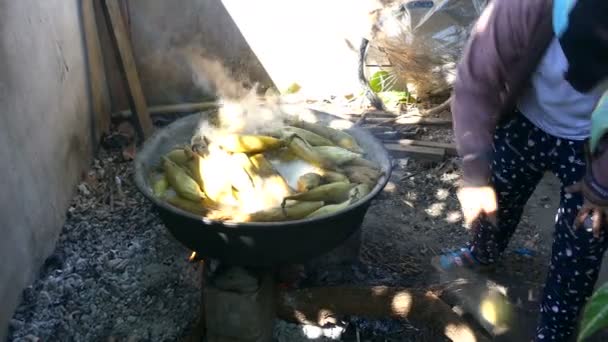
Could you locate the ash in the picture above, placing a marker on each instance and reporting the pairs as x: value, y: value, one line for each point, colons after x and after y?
x: 116, y: 273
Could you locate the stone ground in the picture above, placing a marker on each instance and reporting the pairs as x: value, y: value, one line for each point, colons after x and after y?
x: 118, y: 275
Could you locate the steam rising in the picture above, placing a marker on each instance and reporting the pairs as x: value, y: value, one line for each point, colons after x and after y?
x: 242, y: 110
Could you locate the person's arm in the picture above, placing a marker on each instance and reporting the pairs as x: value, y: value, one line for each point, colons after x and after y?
x: 492, y: 51
x: 594, y: 188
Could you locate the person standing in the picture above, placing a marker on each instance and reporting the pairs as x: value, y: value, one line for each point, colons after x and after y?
x: 519, y: 113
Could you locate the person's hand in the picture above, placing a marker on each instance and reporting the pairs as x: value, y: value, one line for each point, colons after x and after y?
x: 591, y: 207
x: 477, y: 201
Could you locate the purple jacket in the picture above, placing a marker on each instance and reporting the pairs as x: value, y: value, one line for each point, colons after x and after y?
x: 498, y: 59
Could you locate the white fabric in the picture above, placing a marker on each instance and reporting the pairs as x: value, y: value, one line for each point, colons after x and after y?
x: 552, y: 104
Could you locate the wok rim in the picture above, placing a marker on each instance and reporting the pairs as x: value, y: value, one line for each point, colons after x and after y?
x: 231, y: 225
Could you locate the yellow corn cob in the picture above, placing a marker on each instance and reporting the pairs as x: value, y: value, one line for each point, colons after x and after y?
x: 360, y: 161
x: 304, y: 151
x: 196, y: 208
x: 183, y: 184
x: 328, y: 193
x: 329, y: 209
x: 308, y: 181
x: 362, y: 174
x: 312, y: 138
x: 338, y: 155
x: 354, y: 195
x: 295, y: 211
x: 179, y: 156
x: 160, y: 185
x: 194, y: 168
x: 338, y: 137
x: 359, y: 192
x: 243, y: 143
x: 333, y: 177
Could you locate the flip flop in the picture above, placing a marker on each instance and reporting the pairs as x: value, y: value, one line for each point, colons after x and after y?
x: 459, y: 259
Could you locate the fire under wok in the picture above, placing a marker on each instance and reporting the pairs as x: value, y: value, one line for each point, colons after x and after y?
x: 257, y: 243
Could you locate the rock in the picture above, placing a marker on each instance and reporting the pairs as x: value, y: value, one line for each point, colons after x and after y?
x: 81, y: 265
x: 44, y: 299
x: 84, y: 189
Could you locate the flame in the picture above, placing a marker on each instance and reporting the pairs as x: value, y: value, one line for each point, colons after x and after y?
x: 192, y: 257
x: 235, y: 185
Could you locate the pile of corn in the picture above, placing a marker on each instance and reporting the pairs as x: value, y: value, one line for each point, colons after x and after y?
x: 231, y: 177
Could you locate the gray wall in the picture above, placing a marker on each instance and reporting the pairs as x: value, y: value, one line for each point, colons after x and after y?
x: 45, y: 130
x: 160, y: 30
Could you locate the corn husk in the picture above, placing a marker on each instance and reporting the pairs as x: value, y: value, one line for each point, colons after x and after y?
x: 294, y: 211
x: 179, y: 180
x: 338, y: 155
x: 308, y: 182
x: 328, y: 193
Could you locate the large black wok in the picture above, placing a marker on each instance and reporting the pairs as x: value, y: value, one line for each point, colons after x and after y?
x: 250, y: 243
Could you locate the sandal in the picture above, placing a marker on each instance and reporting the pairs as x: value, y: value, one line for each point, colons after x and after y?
x: 458, y: 259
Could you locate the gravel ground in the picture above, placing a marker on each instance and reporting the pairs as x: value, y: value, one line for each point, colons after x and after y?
x: 116, y: 271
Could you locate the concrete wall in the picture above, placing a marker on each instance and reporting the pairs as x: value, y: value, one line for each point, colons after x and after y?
x: 45, y: 129
x: 274, y: 42
x: 160, y: 30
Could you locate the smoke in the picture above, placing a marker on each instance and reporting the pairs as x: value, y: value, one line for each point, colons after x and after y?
x: 210, y: 74
x: 242, y: 109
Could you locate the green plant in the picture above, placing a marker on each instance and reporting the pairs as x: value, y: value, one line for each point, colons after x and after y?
x: 380, y: 82
x: 393, y: 98
x: 595, y: 314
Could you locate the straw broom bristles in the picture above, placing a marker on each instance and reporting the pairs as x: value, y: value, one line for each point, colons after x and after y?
x: 416, y: 63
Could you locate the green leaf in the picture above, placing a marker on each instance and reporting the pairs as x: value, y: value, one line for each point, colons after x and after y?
x: 293, y: 88
x: 595, y: 314
x: 379, y: 81
x: 395, y: 97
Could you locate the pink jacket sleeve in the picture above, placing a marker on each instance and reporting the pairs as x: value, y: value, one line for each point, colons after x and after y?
x: 494, y: 47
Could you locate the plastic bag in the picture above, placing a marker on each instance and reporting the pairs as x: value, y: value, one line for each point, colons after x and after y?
x: 421, y: 42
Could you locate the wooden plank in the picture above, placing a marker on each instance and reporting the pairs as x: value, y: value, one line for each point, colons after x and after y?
x: 129, y: 73
x: 411, y: 120
x: 373, y: 114
x: 450, y: 149
x: 320, y: 305
x: 417, y: 152
x: 97, y: 75
x: 172, y: 109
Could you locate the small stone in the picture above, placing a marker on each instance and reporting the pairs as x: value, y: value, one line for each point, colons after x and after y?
x: 131, y: 319
x: 115, y: 263
x: 81, y: 264
x: 88, y: 283
x: 84, y: 189
x: 44, y: 299
x: 120, y: 320
x: 32, y: 338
